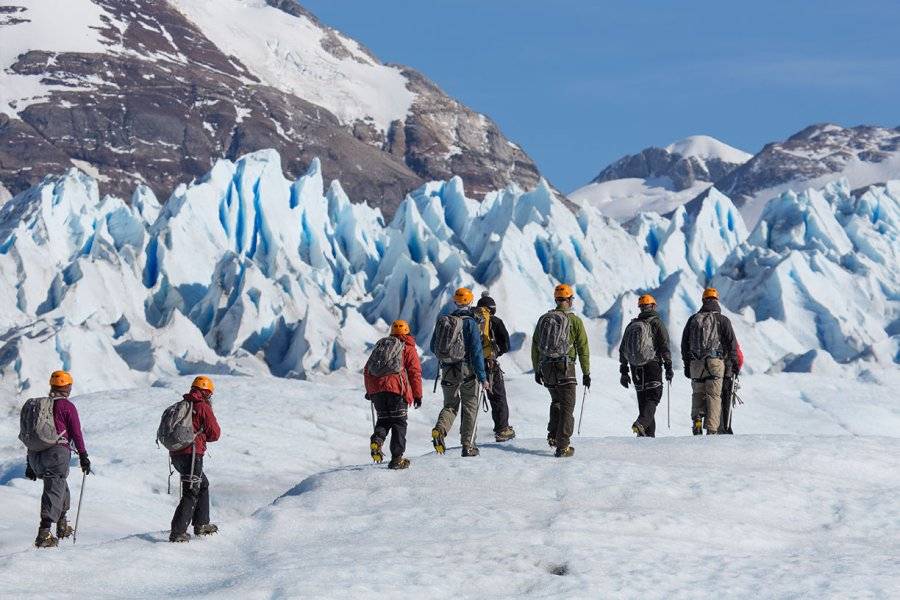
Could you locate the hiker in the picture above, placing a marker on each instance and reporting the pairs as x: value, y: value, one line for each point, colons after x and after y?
x: 50, y: 428
x: 194, y: 505
x: 393, y: 379
x: 456, y: 342
x: 495, y: 343
x: 645, y: 350
x: 732, y: 370
x: 707, y: 344
x: 558, y: 340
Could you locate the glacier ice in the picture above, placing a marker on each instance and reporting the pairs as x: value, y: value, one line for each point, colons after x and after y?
x: 244, y: 271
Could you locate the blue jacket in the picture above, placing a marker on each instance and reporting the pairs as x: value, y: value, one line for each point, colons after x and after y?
x: 472, y: 339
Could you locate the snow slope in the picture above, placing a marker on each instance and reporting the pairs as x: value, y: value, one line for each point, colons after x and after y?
x: 300, y: 57
x: 302, y: 512
x: 82, y: 18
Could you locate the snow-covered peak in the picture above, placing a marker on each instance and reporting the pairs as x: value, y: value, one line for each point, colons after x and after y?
x: 297, y: 55
x: 704, y: 147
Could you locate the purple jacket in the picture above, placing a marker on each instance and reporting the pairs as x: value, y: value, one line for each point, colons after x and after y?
x: 65, y: 415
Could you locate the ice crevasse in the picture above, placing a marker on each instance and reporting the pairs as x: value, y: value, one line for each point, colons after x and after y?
x: 246, y: 272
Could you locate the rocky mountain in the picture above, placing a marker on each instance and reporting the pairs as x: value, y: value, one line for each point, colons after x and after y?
x: 659, y: 179
x: 154, y: 92
x: 821, y: 153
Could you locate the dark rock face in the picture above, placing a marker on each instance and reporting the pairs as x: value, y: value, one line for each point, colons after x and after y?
x: 658, y: 162
x: 813, y: 152
x: 163, y: 122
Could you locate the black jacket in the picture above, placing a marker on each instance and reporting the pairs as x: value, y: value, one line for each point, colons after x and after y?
x: 500, y: 335
x: 660, y: 340
x: 726, y: 335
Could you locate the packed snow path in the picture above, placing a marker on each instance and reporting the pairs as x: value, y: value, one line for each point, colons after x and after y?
x: 755, y: 514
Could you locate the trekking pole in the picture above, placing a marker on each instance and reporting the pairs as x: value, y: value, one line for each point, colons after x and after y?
x: 583, y: 400
x: 372, y: 406
x: 78, y: 512
x: 169, y: 481
x: 669, y: 404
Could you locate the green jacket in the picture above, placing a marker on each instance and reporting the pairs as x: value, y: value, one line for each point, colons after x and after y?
x: 578, y: 345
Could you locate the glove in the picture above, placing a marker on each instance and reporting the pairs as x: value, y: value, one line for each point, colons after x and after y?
x: 486, y: 386
x: 369, y: 397
x: 586, y: 380
x: 625, y: 380
x: 687, y: 371
x: 538, y: 379
x: 29, y: 472
x: 736, y: 372
x: 670, y: 374
x: 85, y: 463
x: 417, y: 403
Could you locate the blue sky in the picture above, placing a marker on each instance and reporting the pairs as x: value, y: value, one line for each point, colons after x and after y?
x: 578, y: 83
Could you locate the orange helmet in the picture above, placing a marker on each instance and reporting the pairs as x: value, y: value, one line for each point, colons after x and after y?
x: 563, y: 292
x: 204, y: 383
x: 60, y: 379
x: 400, y: 327
x: 710, y: 293
x: 463, y: 296
x: 646, y: 299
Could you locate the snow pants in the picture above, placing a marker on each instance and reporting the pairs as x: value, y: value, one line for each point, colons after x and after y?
x: 706, y: 399
x: 460, y: 389
x: 562, y: 414
x: 727, y: 385
x: 194, y: 504
x: 648, y: 383
x: 497, y: 397
x: 52, y: 465
x: 392, y: 411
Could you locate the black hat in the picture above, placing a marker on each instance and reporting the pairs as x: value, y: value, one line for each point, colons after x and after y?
x: 487, y: 302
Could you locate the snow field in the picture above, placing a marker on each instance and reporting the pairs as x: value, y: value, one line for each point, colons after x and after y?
x: 784, y: 515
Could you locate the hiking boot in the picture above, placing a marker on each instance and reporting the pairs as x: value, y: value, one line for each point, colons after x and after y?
x: 505, y: 434
x: 207, y: 529
x: 711, y: 432
x: 565, y: 452
x: 698, y: 426
x: 470, y: 451
x: 377, y: 454
x: 638, y: 429
x: 437, y: 440
x: 551, y: 441
x: 45, y: 539
x: 179, y: 537
x: 398, y: 462
x: 63, y: 529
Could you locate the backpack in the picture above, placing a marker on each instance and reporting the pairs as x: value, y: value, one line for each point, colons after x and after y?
x: 176, y: 428
x: 704, y: 336
x: 386, y: 357
x: 553, y: 335
x: 37, y: 429
x: 449, y: 341
x: 637, y: 343
x: 487, y: 336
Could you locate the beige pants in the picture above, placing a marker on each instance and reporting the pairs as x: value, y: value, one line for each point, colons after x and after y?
x: 460, y: 389
x: 706, y: 384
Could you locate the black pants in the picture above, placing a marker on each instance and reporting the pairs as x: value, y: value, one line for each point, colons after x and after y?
x: 392, y: 412
x: 562, y: 414
x: 724, y: 422
x: 194, y: 505
x: 497, y: 397
x: 648, y: 381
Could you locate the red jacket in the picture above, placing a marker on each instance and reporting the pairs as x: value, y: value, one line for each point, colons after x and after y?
x: 740, y: 357
x: 205, y: 423
x: 408, y: 383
